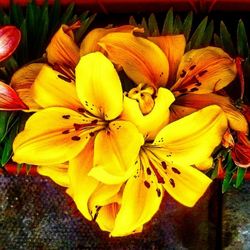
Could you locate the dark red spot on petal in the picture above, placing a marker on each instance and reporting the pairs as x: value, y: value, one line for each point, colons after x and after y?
x: 94, y: 121
x: 183, y: 90
x: 194, y: 89
x: 201, y: 73
x: 175, y: 170
x: 192, y: 67
x: 148, y: 171
x: 183, y: 73
x: 147, y: 184
x: 171, y: 181
x: 66, y: 116
x: 64, y: 78
x: 158, y: 191
x: 77, y: 126
x: 91, y: 133
x: 75, y: 138
x: 164, y: 165
x: 65, y: 132
x: 81, y: 110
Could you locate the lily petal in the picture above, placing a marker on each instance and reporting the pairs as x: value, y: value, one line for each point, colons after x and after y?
x: 10, y: 37
x: 142, y: 60
x: 192, y: 139
x: 62, y: 49
x: 22, y: 81
x: 81, y: 185
x: 236, y: 120
x: 58, y: 173
x: 138, y: 206
x: 9, y: 100
x: 147, y: 124
x: 186, y: 184
x: 98, y: 86
x: 116, y: 150
x: 52, y: 89
x: 173, y: 46
x: 90, y: 43
x: 50, y: 137
x: 204, y: 70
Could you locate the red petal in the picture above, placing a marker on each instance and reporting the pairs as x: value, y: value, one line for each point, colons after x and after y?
x: 9, y: 99
x: 10, y: 37
x: 241, y: 151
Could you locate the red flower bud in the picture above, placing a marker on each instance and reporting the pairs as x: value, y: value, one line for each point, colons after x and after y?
x: 9, y: 100
x: 10, y: 37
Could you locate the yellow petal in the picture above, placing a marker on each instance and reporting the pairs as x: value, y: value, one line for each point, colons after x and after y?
x: 52, y: 89
x: 178, y: 111
x: 173, y: 46
x: 186, y: 184
x: 81, y: 185
x: 50, y: 137
x: 142, y: 60
x: 116, y: 150
x: 22, y: 81
x: 58, y: 173
x: 150, y: 124
x: 138, y: 206
x: 204, y: 70
x: 62, y: 49
x: 192, y: 139
x: 90, y: 42
x: 236, y: 120
x: 98, y: 86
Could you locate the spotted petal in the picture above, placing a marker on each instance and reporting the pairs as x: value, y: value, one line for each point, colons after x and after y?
x: 98, y: 86
x: 116, y: 150
x: 192, y: 139
x: 52, y: 89
x: 142, y: 60
x: 138, y: 206
x: 204, y: 70
x: 173, y: 46
x: 50, y: 137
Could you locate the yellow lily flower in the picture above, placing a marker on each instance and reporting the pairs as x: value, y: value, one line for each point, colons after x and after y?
x: 168, y: 163
x: 74, y: 115
x: 156, y: 62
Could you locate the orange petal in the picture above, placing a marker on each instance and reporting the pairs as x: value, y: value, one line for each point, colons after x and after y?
x: 9, y: 99
x: 173, y: 47
x: 62, y: 49
x: 10, y: 37
x: 90, y: 42
x: 142, y: 60
x: 22, y: 81
x: 204, y: 70
x: 236, y: 120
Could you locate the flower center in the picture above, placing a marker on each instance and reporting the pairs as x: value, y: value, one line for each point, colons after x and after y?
x: 144, y: 95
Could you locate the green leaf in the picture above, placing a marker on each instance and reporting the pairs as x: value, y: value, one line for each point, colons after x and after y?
x: 214, y: 174
x: 23, y: 47
x: 43, y: 31
x: 206, y: 40
x: 153, y: 26
x: 145, y: 26
x: 168, y: 25
x: 227, y: 182
x: 4, y: 115
x: 198, y: 35
x: 16, y: 14
x: 54, y: 16
x: 132, y: 21
x: 67, y: 15
x: 177, y: 25
x: 242, y: 43
x: 86, y: 22
x: 226, y: 40
x: 187, y: 25
x: 240, y: 176
x: 8, y: 142
x: 217, y: 41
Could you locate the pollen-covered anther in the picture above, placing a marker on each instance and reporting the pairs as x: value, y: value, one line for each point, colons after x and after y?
x: 144, y: 95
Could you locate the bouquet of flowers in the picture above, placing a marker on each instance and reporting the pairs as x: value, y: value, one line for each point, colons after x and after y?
x: 122, y: 114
